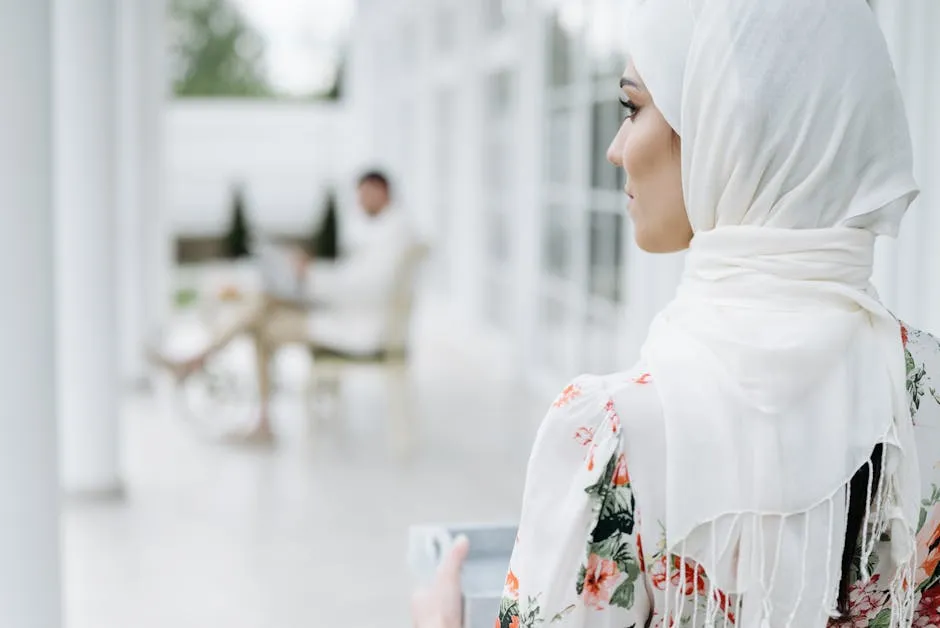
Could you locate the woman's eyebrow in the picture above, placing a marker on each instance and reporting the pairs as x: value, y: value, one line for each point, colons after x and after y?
x: 625, y: 82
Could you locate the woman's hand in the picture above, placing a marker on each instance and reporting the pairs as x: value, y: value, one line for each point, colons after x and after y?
x: 441, y: 605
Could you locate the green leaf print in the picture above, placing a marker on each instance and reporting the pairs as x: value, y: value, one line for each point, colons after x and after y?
x: 532, y: 615
x: 882, y: 619
x: 608, y: 548
x: 617, y: 510
x: 915, y: 382
x: 604, y: 484
x: 508, y: 609
x: 560, y: 616
x: 624, y: 595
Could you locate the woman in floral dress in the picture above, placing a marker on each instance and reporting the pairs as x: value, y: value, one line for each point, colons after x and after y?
x: 759, y: 467
x: 586, y: 515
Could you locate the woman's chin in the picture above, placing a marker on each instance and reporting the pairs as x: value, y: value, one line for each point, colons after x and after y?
x: 659, y: 245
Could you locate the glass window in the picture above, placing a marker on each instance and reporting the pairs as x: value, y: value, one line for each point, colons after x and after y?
x: 444, y: 116
x: 406, y: 139
x: 601, y: 333
x: 409, y: 45
x: 561, y: 44
x: 497, y: 166
x: 556, y: 236
x: 560, y: 145
x: 499, y: 93
x: 494, y: 14
x: 605, y: 44
x: 605, y: 248
x: 445, y: 28
x: 605, y: 122
x: 497, y: 163
x: 498, y: 234
x: 494, y: 159
x: 554, y: 347
x: 497, y: 14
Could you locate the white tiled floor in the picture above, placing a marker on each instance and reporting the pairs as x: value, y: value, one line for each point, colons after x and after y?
x: 311, y: 533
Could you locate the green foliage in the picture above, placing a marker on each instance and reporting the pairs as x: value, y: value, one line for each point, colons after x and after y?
x: 237, y: 238
x: 216, y: 52
x: 325, y: 241
x: 186, y: 297
x: 336, y: 91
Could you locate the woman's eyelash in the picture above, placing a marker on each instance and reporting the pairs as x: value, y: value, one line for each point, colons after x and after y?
x: 630, y: 108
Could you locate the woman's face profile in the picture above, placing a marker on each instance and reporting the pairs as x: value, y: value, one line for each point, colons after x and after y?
x: 647, y: 148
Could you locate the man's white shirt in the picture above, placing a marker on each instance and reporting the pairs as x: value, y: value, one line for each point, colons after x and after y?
x: 352, y: 296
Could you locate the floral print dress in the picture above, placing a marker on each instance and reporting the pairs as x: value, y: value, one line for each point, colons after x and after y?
x: 591, y: 546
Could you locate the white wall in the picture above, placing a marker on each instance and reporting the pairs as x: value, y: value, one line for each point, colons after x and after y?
x: 284, y: 153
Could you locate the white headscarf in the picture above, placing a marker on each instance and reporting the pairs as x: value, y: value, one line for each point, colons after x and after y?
x: 778, y: 367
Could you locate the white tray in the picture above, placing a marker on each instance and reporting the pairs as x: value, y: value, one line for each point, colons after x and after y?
x: 484, y: 571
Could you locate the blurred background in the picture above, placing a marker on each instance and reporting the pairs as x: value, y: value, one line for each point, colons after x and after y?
x: 148, y: 144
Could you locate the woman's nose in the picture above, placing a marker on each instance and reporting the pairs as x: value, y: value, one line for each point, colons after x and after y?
x: 613, y: 156
x: 615, y: 150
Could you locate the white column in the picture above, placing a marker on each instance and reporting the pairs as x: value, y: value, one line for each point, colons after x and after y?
x: 29, y: 543
x: 527, y: 238
x: 910, y: 246
x: 85, y: 189
x: 157, y: 249
x: 132, y: 320
x: 886, y: 249
x: 930, y: 274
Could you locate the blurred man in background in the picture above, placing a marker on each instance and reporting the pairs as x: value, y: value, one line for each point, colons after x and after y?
x: 345, y: 305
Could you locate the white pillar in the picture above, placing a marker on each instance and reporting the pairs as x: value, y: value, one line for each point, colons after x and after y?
x: 29, y: 543
x: 529, y: 179
x: 887, y: 268
x: 132, y: 320
x: 931, y: 182
x: 912, y: 76
x: 158, y: 249
x: 85, y: 189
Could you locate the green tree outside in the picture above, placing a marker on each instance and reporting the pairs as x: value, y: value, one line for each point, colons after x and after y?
x: 216, y: 52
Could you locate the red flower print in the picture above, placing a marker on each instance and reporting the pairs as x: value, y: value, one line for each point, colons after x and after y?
x: 612, y: 416
x: 621, y: 476
x: 645, y: 378
x: 599, y: 581
x: 927, y: 614
x: 658, y: 573
x: 689, y: 580
x: 572, y: 391
x: 724, y: 604
x: 590, y: 458
x: 693, y: 576
x: 584, y: 436
x: 903, y: 335
x: 513, y: 622
x: 866, y: 600
x: 512, y: 586
x: 658, y: 621
x: 928, y: 540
